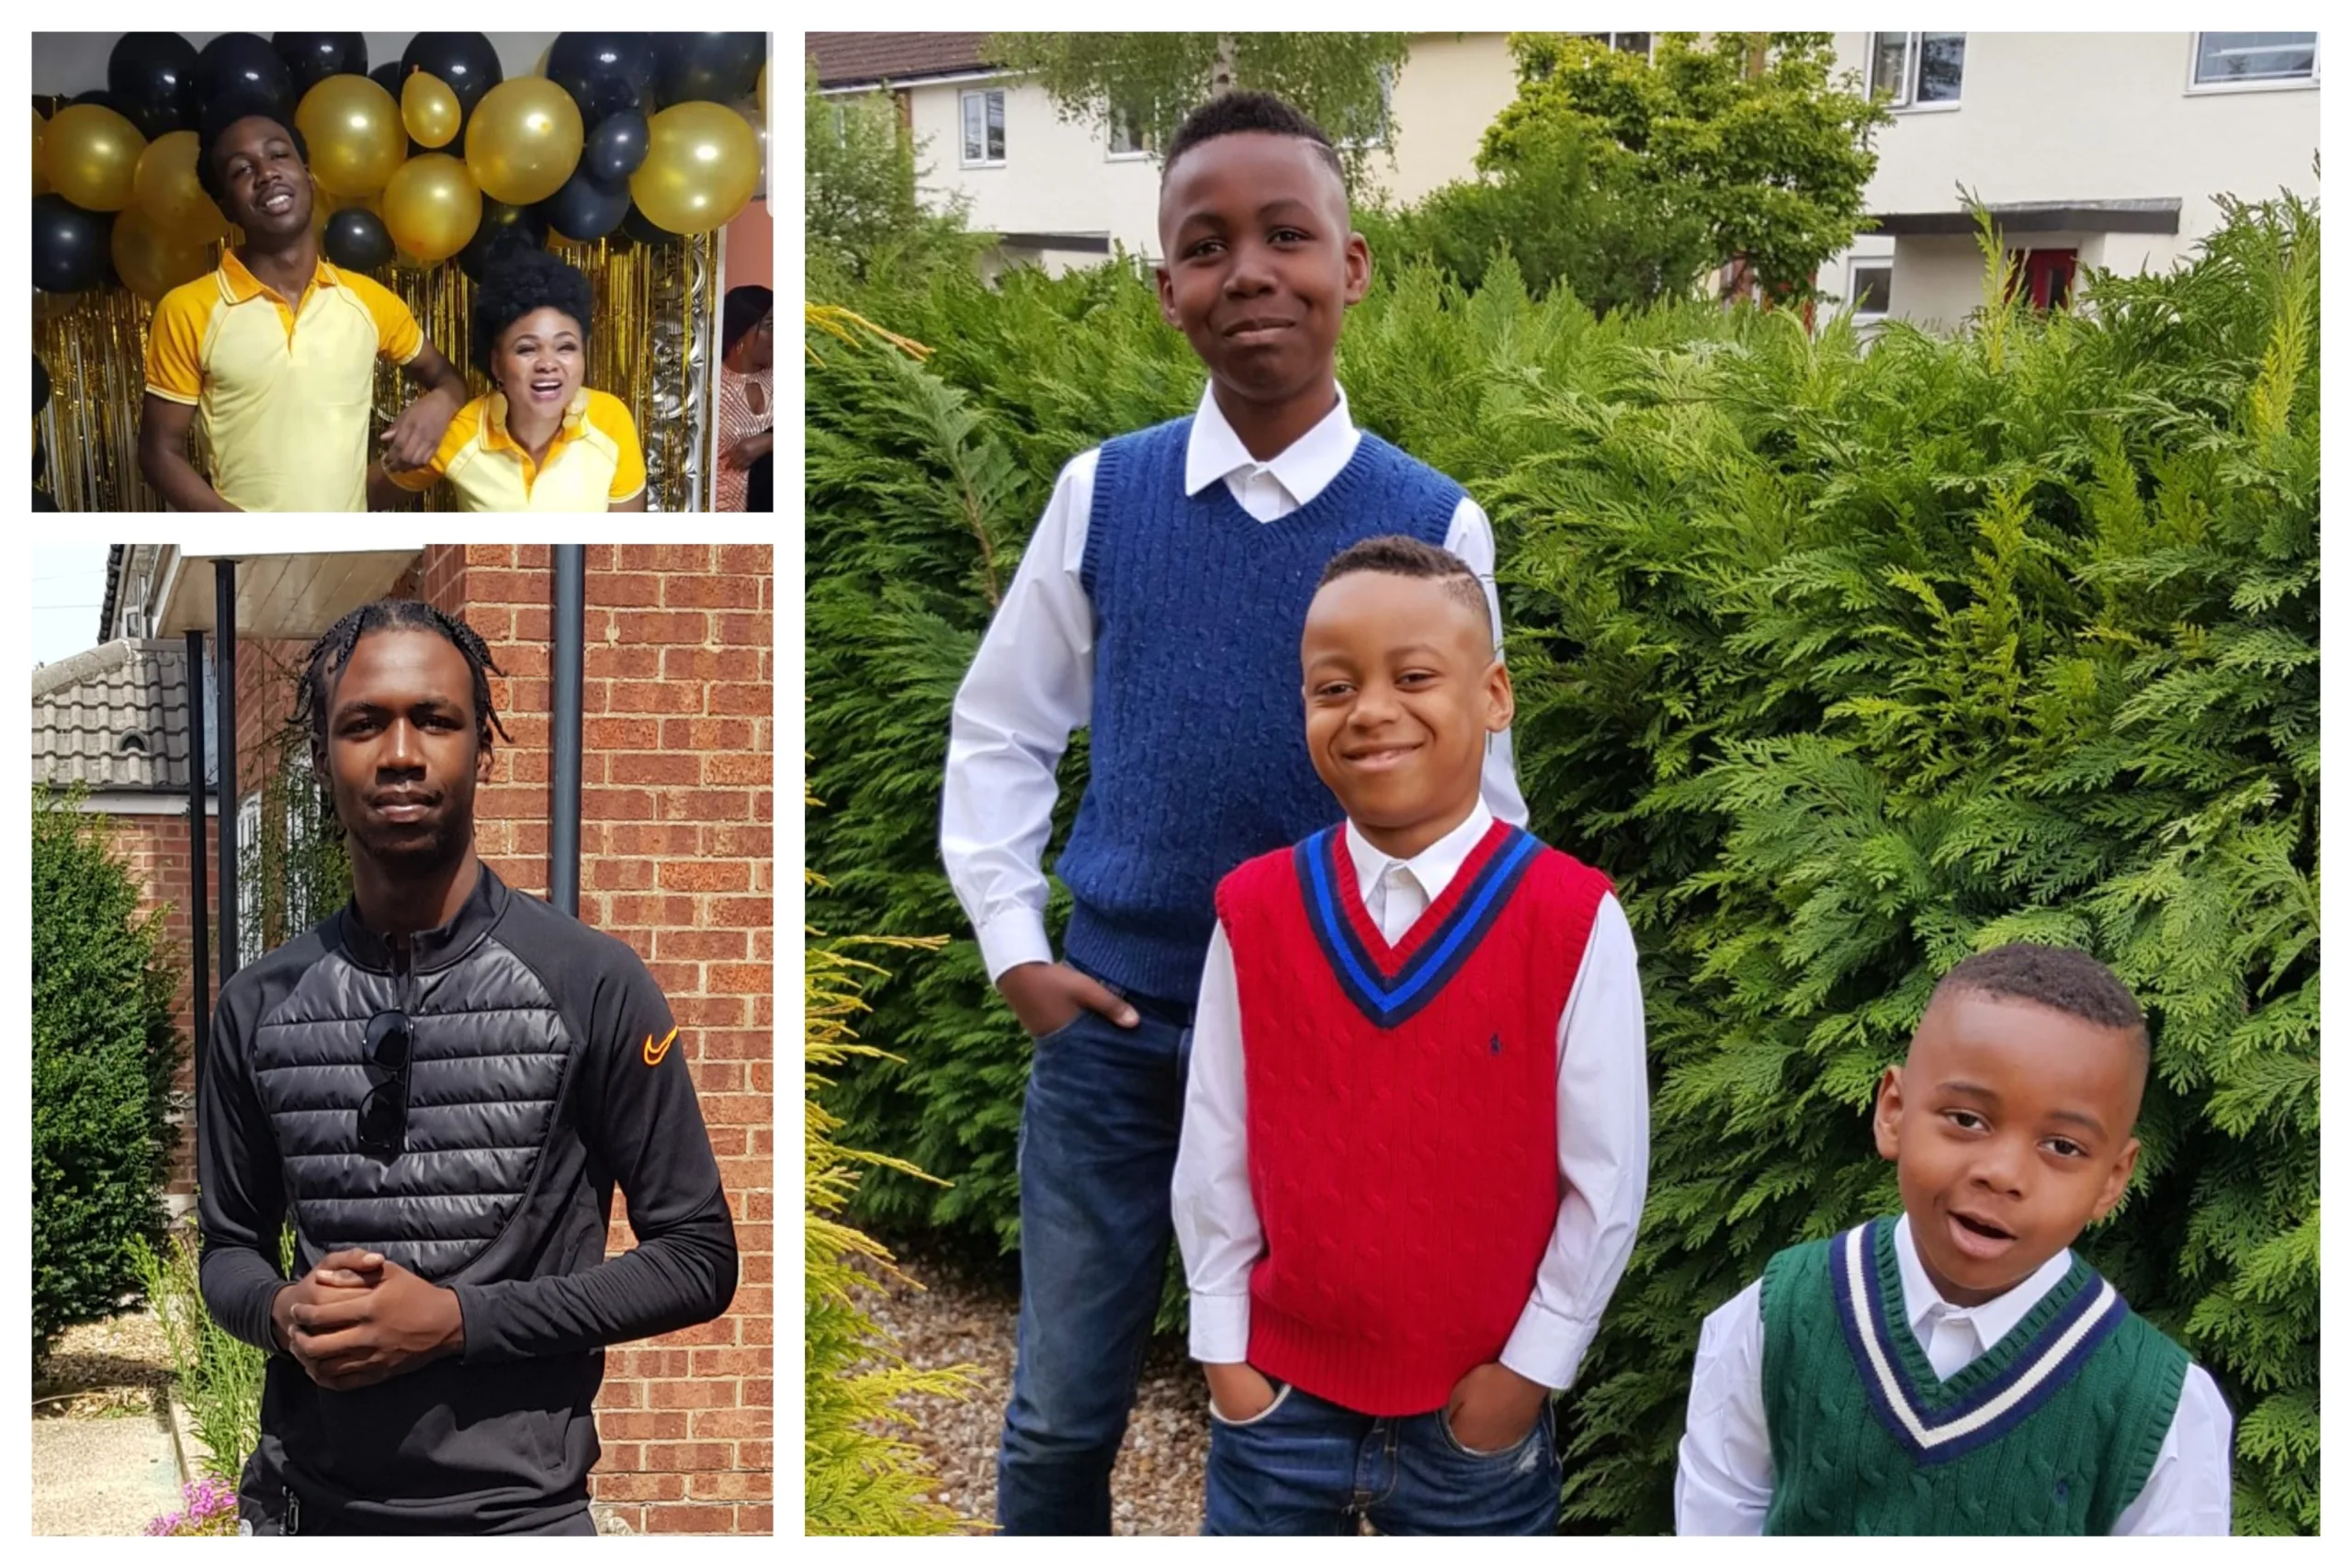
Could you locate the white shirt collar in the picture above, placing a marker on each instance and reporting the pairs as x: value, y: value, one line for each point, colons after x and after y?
x: 1304, y: 466
x: 1994, y: 1318
x: 1432, y: 868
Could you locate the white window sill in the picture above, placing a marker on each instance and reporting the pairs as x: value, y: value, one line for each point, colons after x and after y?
x: 1138, y: 157
x: 988, y: 164
x: 2224, y: 90
x: 1942, y: 106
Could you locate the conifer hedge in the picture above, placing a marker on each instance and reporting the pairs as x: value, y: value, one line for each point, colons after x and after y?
x: 1844, y: 660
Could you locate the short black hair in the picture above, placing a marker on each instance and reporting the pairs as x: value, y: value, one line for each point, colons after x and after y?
x: 745, y: 306
x: 327, y: 657
x: 2063, y: 980
x: 224, y: 112
x: 1229, y: 113
x: 1401, y: 555
x: 518, y: 278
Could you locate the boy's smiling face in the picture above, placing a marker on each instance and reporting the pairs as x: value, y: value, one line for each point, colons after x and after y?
x: 1402, y: 689
x: 2010, y: 1127
x: 266, y: 189
x: 1260, y: 262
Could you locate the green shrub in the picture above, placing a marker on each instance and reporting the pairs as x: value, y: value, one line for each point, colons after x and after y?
x: 104, y: 1048
x: 1844, y: 663
x: 216, y: 1377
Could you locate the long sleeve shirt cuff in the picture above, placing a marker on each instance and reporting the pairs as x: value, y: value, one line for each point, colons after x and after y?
x: 1546, y: 1348
x: 1012, y: 938
x: 1220, y: 1328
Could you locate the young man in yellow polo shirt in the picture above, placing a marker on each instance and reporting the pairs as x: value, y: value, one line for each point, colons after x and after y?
x: 277, y: 349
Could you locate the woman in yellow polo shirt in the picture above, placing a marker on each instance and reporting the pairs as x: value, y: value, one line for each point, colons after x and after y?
x: 541, y: 441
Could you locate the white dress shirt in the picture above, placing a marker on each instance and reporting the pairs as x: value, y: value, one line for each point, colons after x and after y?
x: 1723, y: 1483
x: 1603, y: 1132
x: 1032, y: 682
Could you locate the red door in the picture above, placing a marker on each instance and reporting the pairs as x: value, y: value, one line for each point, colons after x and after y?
x: 2047, y: 277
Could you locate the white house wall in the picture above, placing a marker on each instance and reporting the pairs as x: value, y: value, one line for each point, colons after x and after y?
x: 1057, y: 177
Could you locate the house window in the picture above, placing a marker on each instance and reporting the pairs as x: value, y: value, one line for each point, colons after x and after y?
x: 1624, y: 43
x: 1915, y: 70
x: 1870, y: 289
x: 984, y: 128
x: 1126, y: 135
x: 1375, y: 135
x: 2256, y: 60
x: 249, y: 937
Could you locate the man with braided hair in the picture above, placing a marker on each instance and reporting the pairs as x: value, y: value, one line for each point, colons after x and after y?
x: 437, y: 1088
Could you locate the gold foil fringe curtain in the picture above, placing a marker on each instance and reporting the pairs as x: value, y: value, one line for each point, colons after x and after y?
x: 653, y: 345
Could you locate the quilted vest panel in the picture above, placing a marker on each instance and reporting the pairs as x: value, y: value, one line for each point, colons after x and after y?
x: 487, y: 1064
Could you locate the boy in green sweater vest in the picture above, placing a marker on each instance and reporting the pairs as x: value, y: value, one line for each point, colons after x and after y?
x: 1958, y: 1370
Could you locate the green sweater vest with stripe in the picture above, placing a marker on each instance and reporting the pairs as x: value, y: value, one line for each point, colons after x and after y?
x: 2053, y: 1431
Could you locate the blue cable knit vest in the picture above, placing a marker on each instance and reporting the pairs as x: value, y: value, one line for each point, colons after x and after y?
x: 1198, y: 755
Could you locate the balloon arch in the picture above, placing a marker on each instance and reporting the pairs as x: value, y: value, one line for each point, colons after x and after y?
x: 626, y: 153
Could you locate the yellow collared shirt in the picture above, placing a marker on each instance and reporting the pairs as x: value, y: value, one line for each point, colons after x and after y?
x: 282, y: 390
x: 592, y: 464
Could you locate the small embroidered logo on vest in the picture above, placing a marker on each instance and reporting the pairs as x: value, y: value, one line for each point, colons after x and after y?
x: 1494, y: 1046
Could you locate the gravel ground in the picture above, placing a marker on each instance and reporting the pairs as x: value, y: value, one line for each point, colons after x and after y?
x: 965, y: 1313
x: 117, y: 1366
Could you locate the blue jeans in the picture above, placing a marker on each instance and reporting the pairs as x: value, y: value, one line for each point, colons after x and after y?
x: 1307, y: 1466
x: 1097, y: 1152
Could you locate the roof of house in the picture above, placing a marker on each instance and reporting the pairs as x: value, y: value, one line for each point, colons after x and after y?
x: 847, y: 60
x: 115, y: 716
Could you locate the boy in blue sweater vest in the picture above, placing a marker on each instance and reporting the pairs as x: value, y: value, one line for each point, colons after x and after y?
x: 1958, y: 1370
x: 1416, y: 1128
x: 1159, y: 602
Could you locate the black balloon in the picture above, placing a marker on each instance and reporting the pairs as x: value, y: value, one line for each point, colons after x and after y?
x: 638, y: 226
x: 720, y: 67
x: 586, y: 209
x: 104, y: 99
x: 613, y: 150
x: 70, y: 247
x: 356, y: 238
x: 245, y: 65
x: 40, y: 386
x: 311, y: 57
x: 499, y: 221
x: 465, y: 60
x: 42, y: 503
x: 606, y: 73
x: 155, y: 75
x: 387, y: 76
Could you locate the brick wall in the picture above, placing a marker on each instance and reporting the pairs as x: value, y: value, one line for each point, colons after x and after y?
x: 155, y: 849
x: 676, y: 808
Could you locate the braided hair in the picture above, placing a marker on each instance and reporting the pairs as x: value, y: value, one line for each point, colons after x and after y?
x: 327, y: 657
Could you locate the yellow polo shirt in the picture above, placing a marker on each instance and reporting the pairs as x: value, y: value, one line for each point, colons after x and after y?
x: 281, y: 390
x: 592, y: 464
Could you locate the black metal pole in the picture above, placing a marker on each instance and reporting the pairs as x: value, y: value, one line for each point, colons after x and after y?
x: 198, y: 894
x: 563, y: 802
x: 224, y: 676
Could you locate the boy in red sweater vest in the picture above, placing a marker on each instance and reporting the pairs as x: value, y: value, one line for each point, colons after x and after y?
x: 1416, y: 1123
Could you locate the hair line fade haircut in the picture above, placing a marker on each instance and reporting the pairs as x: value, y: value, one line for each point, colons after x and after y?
x: 1401, y: 555
x: 1230, y: 114
x: 2063, y: 980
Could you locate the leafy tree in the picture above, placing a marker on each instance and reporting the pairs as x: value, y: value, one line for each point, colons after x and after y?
x: 1745, y: 135
x: 1156, y: 79
x: 103, y: 1049
x: 1843, y: 664
x: 863, y: 211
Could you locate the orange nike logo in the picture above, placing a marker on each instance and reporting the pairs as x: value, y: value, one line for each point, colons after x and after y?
x: 653, y: 1053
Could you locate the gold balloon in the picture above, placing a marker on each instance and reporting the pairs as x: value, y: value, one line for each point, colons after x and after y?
x: 701, y: 165
x: 429, y: 108
x: 432, y: 207
x: 92, y: 154
x: 41, y: 171
x: 524, y: 140
x: 354, y: 129
x: 166, y: 189
x: 152, y: 262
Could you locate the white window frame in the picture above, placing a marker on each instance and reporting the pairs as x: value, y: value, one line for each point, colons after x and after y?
x: 2278, y: 84
x: 963, y: 125
x: 1907, y: 93
x: 1855, y: 265
x: 1649, y: 50
x: 248, y: 890
x: 1111, y: 152
x: 1387, y: 117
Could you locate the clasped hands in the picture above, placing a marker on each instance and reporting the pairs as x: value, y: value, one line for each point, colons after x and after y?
x: 1490, y: 1410
x: 409, y: 441
x: 358, y: 1318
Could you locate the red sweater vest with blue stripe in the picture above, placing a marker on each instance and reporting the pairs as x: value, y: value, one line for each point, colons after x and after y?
x: 1400, y: 1110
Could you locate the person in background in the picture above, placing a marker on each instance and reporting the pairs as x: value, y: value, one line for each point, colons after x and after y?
x: 746, y: 393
